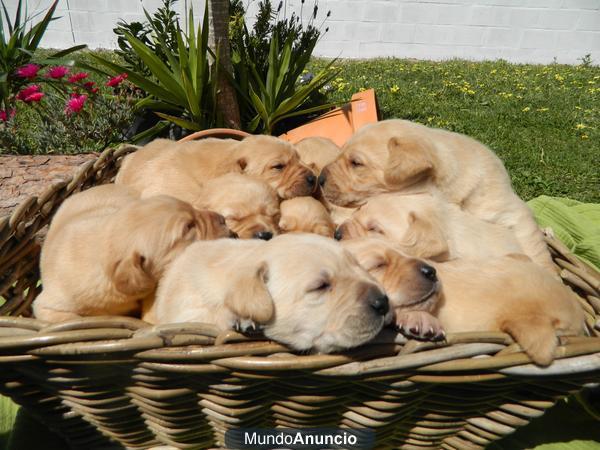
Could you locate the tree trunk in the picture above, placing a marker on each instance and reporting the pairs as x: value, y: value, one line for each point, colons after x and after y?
x: 227, y: 104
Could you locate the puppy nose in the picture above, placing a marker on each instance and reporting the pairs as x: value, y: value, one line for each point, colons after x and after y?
x: 428, y: 272
x: 264, y: 235
x: 322, y: 179
x: 338, y: 235
x: 378, y: 300
x: 311, y: 179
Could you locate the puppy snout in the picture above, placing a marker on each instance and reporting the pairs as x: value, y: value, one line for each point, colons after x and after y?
x: 428, y: 272
x: 322, y: 179
x: 339, y: 234
x: 264, y: 235
x: 378, y: 301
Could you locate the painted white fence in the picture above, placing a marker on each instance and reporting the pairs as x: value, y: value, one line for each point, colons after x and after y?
x: 539, y: 31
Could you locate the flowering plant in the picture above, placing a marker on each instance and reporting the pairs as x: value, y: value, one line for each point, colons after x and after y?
x: 18, y: 67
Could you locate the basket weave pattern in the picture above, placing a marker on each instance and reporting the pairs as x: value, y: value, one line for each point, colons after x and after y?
x: 118, y: 381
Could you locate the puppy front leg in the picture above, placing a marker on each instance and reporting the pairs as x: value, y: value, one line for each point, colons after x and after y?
x: 419, y: 325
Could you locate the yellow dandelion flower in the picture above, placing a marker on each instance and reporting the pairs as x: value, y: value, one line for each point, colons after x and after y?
x: 494, y: 71
x: 584, y: 136
x: 395, y: 88
x: 580, y: 126
x: 527, y: 108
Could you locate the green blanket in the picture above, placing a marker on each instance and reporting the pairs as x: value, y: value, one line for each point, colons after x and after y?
x: 574, y: 223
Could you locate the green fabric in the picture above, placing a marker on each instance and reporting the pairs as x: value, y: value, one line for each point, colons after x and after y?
x: 8, y: 413
x: 575, y: 224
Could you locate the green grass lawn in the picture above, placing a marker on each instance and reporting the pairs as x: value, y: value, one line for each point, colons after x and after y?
x: 543, y: 121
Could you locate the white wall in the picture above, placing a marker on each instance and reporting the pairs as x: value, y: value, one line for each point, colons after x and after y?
x: 539, y: 31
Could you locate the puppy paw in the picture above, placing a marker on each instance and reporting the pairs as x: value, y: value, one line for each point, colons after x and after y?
x: 419, y: 325
x: 247, y: 326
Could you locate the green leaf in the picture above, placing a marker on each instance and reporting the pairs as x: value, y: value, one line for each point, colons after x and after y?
x: 65, y: 52
x: 150, y: 132
x: 183, y: 123
x: 157, y: 67
x: 139, y: 80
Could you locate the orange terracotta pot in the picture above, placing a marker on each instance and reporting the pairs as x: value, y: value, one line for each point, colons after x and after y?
x: 341, y: 123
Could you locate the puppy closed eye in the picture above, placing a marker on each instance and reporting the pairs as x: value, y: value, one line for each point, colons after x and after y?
x: 278, y: 166
x: 374, y: 228
x: 320, y: 286
x: 189, y: 228
x: 356, y: 163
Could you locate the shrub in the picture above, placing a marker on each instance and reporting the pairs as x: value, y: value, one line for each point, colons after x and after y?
x: 18, y: 65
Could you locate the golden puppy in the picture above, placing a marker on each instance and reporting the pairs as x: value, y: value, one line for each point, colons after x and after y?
x: 508, y: 293
x: 402, y: 156
x: 164, y: 167
x: 426, y: 226
x: 317, y: 152
x: 410, y: 284
x: 305, y: 215
x: 250, y: 206
x: 319, y: 299
x: 106, y: 249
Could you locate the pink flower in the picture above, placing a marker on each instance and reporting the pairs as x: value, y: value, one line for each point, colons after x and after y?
x: 90, y: 86
x: 28, y: 71
x: 29, y: 90
x: 35, y: 97
x: 115, y: 81
x: 7, y: 114
x: 78, y: 77
x: 76, y: 103
x: 57, y: 72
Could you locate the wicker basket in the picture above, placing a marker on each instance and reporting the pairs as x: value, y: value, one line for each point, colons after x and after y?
x: 113, y: 380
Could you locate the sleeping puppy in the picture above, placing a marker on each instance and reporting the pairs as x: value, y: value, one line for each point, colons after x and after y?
x: 410, y: 284
x: 521, y: 299
x: 250, y: 206
x: 165, y: 167
x: 319, y: 299
x: 402, y: 156
x: 507, y: 293
x: 317, y: 152
x: 426, y: 226
x: 106, y: 249
x: 305, y: 215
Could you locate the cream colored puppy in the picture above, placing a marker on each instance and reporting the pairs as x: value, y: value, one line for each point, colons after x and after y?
x: 317, y: 152
x: 250, y: 206
x: 106, y: 249
x: 305, y: 215
x: 319, y: 299
x: 165, y: 167
x: 411, y: 285
x: 403, y: 156
x: 426, y: 226
x: 507, y: 293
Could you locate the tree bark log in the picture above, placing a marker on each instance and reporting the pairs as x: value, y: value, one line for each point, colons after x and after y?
x: 227, y: 104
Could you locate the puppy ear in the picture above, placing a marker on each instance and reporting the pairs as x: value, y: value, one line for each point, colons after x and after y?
x: 249, y: 298
x: 425, y: 238
x: 132, y: 276
x: 408, y: 161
